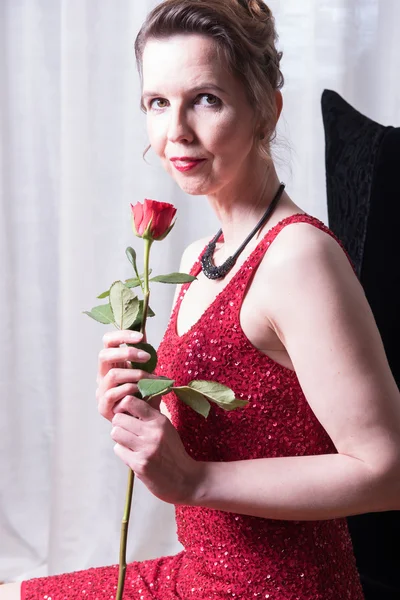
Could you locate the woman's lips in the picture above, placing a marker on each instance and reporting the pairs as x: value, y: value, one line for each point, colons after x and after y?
x: 186, y: 165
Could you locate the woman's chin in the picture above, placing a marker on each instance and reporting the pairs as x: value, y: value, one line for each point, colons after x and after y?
x: 193, y: 188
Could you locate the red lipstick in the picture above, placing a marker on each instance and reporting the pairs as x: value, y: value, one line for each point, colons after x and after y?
x: 186, y: 163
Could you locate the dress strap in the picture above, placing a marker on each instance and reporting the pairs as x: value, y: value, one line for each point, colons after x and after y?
x: 237, y: 286
x: 255, y: 258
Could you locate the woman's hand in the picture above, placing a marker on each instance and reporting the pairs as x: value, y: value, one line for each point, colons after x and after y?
x: 115, y: 379
x: 149, y: 444
x: 145, y: 439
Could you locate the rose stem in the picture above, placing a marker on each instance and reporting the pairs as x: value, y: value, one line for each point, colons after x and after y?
x: 131, y: 474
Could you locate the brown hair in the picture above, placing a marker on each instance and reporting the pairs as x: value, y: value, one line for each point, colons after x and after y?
x: 244, y: 31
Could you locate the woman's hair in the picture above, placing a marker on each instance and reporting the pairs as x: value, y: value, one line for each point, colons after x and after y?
x: 244, y: 31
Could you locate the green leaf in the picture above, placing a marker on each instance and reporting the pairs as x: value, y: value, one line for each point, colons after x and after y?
x: 131, y: 254
x: 155, y: 387
x: 138, y: 321
x: 218, y: 393
x: 150, y: 313
x: 194, y: 399
x: 151, y: 364
x: 132, y: 283
x: 102, y: 314
x: 135, y: 282
x: 124, y: 305
x: 174, y: 278
x: 129, y: 283
x: 103, y: 295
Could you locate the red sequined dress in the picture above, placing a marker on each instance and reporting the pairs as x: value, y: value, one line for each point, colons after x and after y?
x: 230, y: 555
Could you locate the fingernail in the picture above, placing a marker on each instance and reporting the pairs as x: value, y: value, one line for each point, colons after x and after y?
x: 143, y: 355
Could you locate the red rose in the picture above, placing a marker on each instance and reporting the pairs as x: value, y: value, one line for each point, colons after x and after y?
x: 152, y: 220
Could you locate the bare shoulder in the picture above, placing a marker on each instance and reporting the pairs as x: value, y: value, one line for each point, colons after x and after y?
x: 304, y: 256
x: 306, y: 264
x: 299, y: 242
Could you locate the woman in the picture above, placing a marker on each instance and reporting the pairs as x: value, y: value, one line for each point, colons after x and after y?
x: 261, y: 492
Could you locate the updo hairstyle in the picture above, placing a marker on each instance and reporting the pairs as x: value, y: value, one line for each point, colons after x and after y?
x: 244, y: 31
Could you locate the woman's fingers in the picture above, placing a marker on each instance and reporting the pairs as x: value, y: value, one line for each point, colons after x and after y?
x: 115, y: 386
x: 113, y: 396
x: 116, y: 380
x: 124, y: 454
x: 135, y: 407
x: 126, y: 438
x: 149, y: 444
x: 122, y: 406
x: 112, y: 339
x: 115, y: 377
x: 139, y: 420
x: 112, y: 355
x: 129, y: 439
x: 155, y: 402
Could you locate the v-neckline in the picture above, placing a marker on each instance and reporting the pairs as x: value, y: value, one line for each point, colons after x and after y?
x: 195, y: 270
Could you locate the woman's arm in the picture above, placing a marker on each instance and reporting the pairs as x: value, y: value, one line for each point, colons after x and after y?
x: 319, y: 310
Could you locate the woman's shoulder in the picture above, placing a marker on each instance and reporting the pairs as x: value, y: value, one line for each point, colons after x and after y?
x: 303, y: 241
x: 306, y: 258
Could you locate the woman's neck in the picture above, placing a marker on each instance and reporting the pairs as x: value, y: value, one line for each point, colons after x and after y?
x: 240, y: 210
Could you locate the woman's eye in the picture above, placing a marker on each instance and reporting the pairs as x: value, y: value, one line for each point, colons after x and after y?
x: 211, y: 99
x: 161, y: 103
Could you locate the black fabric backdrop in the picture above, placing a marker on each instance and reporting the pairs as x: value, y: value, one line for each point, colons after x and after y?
x: 362, y: 177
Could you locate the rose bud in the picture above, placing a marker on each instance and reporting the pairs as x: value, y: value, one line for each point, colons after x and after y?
x: 152, y: 220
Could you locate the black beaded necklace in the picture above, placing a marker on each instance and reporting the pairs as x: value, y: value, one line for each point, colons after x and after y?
x: 207, y: 265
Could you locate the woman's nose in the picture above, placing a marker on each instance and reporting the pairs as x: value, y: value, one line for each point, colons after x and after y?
x: 178, y: 127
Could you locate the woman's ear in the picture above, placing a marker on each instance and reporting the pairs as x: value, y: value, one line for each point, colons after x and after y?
x: 279, y: 103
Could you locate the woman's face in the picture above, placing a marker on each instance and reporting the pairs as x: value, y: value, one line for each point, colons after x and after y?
x: 196, y: 109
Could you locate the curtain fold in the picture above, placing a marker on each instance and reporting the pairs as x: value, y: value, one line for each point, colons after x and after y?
x: 71, y: 143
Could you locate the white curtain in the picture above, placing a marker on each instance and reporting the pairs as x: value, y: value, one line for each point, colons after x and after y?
x: 71, y: 142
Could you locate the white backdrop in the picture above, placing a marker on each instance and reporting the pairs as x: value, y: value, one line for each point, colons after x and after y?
x: 71, y: 140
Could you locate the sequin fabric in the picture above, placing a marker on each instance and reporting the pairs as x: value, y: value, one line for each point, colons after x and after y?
x: 227, y: 555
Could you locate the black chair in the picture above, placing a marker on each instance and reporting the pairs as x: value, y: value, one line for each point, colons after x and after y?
x: 363, y: 191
